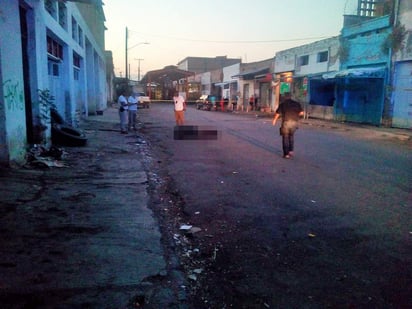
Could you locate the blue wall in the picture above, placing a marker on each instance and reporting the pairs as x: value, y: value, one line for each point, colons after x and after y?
x: 362, y: 98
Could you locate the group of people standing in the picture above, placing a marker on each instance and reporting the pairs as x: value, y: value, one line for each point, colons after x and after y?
x: 127, y: 112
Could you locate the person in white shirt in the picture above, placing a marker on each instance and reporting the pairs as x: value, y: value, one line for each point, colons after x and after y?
x: 180, y: 108
x: 132, y: 100
x: 123, y: 107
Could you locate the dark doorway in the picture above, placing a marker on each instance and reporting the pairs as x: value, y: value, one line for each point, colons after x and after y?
x: 26, y: 74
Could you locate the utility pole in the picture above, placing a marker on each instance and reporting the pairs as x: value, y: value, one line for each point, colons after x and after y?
x: 126, y: 64
x: 138, y: 68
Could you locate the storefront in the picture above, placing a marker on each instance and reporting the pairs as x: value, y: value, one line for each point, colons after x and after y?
x: 359, y: 94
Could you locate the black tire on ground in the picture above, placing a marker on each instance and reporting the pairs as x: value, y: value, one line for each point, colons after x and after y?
x: 68, y: 136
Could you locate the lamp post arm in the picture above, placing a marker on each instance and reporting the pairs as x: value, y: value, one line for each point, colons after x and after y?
x: 138, y: 44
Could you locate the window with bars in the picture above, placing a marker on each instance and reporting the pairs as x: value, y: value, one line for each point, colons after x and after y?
x: 74, y: 29
x: 54, y: 49
x: 53, y: 68
x: 76, y: 60
x: 50, y: 6
x: 62, y: 15
x: 76, y: 66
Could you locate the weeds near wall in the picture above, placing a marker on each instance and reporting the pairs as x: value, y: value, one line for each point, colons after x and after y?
x: 46, y: 103
x: 343, y: 52
x: 395, y: 40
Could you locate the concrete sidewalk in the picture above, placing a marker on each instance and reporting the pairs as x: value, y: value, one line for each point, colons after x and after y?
x: 82, y: 236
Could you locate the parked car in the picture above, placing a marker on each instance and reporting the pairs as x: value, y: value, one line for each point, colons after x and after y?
x: 207, y: 102
x: 143, y: 99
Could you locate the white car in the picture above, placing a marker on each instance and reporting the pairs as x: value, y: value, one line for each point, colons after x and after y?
x: 143, y: 99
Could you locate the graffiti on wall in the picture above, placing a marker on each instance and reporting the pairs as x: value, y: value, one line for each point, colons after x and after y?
x: 13, y: 95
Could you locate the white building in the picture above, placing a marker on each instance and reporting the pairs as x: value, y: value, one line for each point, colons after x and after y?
x: 299, y: 70
x: 230, y: 83
x: 48, y: 46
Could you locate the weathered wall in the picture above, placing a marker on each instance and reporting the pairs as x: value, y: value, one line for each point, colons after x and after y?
x: 12, y: 108
x: 288, y: 60
x: 364, y: 43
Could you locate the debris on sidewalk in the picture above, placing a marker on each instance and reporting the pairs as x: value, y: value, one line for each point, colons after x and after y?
x: 41, y: 157
x: 185, y: 227
x: 190, y: 229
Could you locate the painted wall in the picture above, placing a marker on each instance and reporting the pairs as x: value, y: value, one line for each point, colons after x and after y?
x: 83, y: 96
x: 74, y: 96
x: 288, y: 60
x: 405, y: 19
x: 230, y: 90
x: 230, y: 71
x: 315, y: 64
x: 362, y: 99
x: 205, y: 81
x: 402, y: 72
x: 12, y: 108
x: 317, y: 96
x: 364, y: 43
x: 285, y: 60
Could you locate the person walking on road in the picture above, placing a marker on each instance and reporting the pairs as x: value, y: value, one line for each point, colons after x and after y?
x: 123, y: 108
x: 290, y: 111
x: 180, y: 108
x: 251, y: 102
x: 234, y: 102
x: 132, y: 103
x: 256, y: 103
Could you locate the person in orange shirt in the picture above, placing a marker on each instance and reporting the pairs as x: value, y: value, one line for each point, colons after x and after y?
x: 180, y: 108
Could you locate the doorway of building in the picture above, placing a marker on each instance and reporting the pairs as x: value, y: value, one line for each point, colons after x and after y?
x: 24, y: 13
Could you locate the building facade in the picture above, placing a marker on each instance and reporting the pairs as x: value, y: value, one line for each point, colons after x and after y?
x: 299, y: 70
x: 362, y: 82
x: 362, y: 75
x: 162, y: 84
x: 229, y: 86
x: 205, y: 64
x: 58, y: 59
x: 401, y: 98
x: 255, y: 83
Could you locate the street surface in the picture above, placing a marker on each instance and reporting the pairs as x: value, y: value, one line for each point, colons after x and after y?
x: 329, y: 228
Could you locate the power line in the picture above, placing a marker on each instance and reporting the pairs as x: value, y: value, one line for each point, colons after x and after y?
x: 236, y: 42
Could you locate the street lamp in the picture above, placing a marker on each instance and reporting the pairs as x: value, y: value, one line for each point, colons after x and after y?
x: 127, y: 75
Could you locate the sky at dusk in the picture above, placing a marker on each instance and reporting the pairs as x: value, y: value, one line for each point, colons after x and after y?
x: 250, y: 30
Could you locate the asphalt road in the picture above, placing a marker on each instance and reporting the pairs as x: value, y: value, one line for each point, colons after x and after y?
x: 331, y: 227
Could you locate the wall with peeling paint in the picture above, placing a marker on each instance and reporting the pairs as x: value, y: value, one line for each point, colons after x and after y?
x: 76, y: 78
x: 401, y: 99
x: 13, y: 118
x: 364, y: 42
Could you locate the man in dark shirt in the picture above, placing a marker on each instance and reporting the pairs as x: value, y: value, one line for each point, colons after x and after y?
x: 290, y: 111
